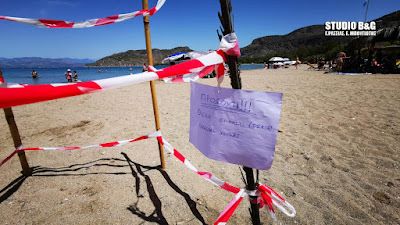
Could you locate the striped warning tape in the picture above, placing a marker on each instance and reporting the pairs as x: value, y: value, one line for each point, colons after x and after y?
x: 206, y: 175
x: 105, y: 145
x: 87, y: 23
x: 267, y: 196
x: 17, y: 94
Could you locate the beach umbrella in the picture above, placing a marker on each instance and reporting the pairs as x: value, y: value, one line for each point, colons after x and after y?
x: 175, y: 57
x: 276, y: 59
x: 286, y: 59
x: 196, y: 54
x: 183, y: 56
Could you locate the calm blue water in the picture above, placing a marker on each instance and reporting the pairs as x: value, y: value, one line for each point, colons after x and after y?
x: 251, y: 66
x: 56, y: 75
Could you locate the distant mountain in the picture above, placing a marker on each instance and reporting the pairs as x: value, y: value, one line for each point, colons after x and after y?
x: 389, y: 20
x: 307, y: 41
x: 136, y: 57
x: 38, y: 62
x: 310, y: 36
x: 85, y: 61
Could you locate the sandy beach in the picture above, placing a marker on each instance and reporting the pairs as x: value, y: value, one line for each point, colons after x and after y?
x: 337, y: 155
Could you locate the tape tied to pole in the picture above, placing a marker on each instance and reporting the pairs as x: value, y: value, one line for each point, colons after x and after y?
x: 264, y: 195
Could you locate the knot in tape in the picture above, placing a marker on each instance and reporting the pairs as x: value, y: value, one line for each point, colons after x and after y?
x: 252, y: 193
x: 268, y: 197
x: 264, y: 196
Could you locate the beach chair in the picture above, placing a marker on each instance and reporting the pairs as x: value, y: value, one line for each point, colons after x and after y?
x: 331, y: 69
x: 321, y: 65
x: 311, y: 67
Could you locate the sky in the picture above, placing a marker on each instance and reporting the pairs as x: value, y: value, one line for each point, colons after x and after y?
x: 178, y: 23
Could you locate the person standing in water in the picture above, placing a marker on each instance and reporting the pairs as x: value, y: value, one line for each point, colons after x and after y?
x: 68, y: 75
x: 75, y: 77
x: 144, y: 68
x: 34, y: 74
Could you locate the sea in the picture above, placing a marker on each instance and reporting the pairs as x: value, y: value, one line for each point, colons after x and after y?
x: 56, y: 75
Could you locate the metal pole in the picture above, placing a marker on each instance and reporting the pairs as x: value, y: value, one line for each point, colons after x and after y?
x: 254, y: 207
x: 16, y: 138
x: 152, y: 85
x: 226, y: 22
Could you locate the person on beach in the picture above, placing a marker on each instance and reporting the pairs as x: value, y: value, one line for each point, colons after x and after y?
x: 144, y: 68
x: 321, y: 64
x: 226, y: 70
x: 68, y: 75
x: 340, y: 60
x: 297, y: 63
x: 75, y: 77
x: 34, y: 74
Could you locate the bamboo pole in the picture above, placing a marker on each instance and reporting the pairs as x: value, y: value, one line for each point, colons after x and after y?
x: 152, y: 85
x: 16, y: 138
x: 226, y: 22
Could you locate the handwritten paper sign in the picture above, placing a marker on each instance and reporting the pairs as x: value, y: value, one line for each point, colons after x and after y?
x: 235, y: 126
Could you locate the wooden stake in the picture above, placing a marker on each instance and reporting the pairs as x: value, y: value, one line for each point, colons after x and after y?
x: 16, y: 138
x: 152, y: 85
x: 226, y: 22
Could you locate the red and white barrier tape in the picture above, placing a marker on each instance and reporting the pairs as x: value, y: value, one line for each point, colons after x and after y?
x: 230, y: 209
x: 11, y: 155
x: 105, y: 145
x: 206, y: 175
x: 230, y: 45
x: 265, y: 193
x: 17, y: 94
x: 187, y: 77
x: 269, y: 196
x: 266, y: 196
x: 87, y: 23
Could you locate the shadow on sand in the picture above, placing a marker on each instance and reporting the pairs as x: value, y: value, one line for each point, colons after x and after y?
x: 136, y: 169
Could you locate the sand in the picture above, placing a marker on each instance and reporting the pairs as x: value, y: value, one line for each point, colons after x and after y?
x: 336, y: 161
